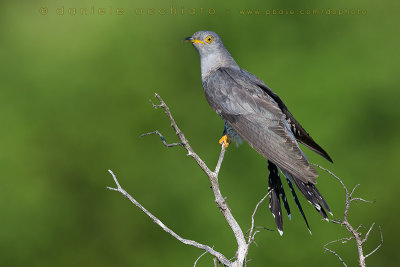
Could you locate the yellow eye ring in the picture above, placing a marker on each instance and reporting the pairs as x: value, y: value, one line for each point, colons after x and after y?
x: 209, y: 39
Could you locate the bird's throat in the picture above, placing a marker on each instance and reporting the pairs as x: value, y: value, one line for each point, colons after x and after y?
x: 211, y: 62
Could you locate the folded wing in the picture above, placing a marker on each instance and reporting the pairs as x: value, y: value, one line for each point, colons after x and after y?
x: 258, y: 119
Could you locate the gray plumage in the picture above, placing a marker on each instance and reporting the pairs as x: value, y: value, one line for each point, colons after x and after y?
x: 257, y: 115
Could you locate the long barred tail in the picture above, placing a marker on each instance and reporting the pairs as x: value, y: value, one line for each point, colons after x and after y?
x: 298, y: 202
x: 309, y: 191
x: 277, y: 193
x: 312, y: 194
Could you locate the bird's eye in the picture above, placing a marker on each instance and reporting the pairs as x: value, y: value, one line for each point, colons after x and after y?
x: 209, y: 39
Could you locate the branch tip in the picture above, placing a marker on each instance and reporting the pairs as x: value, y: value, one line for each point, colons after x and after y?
x: 162, y: 139
x: 112, y: 188
x: 199, y: 258
x: 354, y: 232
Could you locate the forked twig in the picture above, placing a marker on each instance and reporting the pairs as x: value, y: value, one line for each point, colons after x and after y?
x: 355, y: 234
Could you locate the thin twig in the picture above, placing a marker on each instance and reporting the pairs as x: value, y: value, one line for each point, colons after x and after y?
x: 162, y: 139
x: 360, y: 226
x: 199, y: 258
x: 342, y: 240
x: 337, y: 255
x: 333, y: 175
x: 362, y: 200
x: 251, y: 236
x: 380, y: 244
x: 367, y: 234
x: 354, y: 189
x: 215, y: 262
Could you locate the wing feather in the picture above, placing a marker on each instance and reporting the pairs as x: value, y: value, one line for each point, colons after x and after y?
x: 258, y: 119
x: 298, y: 131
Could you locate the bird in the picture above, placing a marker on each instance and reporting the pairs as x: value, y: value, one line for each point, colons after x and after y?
x: 252, y: 112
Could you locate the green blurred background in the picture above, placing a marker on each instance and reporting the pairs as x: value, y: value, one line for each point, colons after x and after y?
x: 74, y: 99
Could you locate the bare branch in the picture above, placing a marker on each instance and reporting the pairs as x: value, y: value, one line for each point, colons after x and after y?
x: 360, y: 226
x: 199, y: 258
x: 367, y: 234
x: 354, y: 189
x: 337, y: 255
x: 355, y: 234
x: 362, y: 200
x: 221, y: 158
x: 162, y: 139
x: 380, y: 244
x: 333, y: 175
x: 208, y: 249
x: 182, y: 137
x: 341, y: 240
x: 337, y: 221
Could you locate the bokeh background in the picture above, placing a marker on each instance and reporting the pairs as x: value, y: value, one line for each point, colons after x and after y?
x: 74, y: 99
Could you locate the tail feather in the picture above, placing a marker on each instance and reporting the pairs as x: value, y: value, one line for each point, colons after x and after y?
x: 312, y: 194
x: 277, y: 193
x: 297, y: 202
x: 321, y: 199
x: 309, y: 191
x: 323, y: 214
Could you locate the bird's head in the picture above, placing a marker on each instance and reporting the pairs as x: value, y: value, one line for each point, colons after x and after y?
x: 212, y: 51
x: 206, y: 42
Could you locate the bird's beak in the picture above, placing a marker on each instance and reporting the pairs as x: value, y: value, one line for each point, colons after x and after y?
x: 192, y: 40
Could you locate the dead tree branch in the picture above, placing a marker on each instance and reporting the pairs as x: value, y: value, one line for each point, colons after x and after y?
x: 208, y: 249
x: 242, y: 245
x: 355, y: 233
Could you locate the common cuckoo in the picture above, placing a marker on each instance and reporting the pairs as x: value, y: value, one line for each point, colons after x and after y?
x: 253, y: 112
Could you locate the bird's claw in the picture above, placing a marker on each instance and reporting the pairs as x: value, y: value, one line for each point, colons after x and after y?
x: 224, y: 140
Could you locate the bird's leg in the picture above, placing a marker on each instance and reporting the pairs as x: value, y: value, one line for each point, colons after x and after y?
x: 225, y: 138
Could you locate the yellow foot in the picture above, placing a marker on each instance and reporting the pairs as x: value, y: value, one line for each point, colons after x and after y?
x: 224, y: 140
